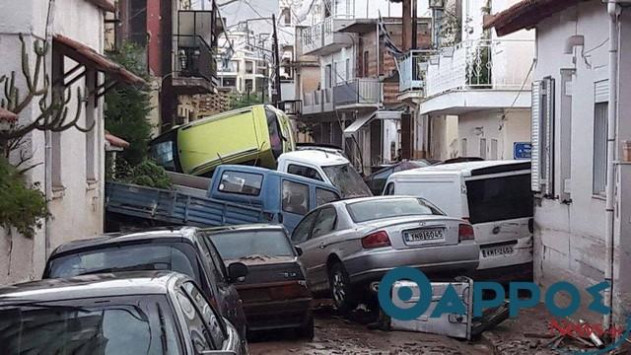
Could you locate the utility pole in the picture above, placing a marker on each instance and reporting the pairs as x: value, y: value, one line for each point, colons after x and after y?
x: 414, y: 25
x: 276, y: 96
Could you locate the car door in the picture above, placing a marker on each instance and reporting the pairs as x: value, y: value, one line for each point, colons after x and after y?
x: 295, y: 202
x: 196, y: 334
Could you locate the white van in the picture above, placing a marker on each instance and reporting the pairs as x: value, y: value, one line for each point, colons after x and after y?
x: 494, y: 196
x: 329, y: 166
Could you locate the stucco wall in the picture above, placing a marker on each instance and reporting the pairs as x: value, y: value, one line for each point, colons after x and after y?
x: 443, y: 138
x: 77, y: 210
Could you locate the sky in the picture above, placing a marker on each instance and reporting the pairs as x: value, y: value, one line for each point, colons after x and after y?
x: 246, y: 9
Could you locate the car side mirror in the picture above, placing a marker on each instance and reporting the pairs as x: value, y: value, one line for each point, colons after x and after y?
x: 299, y: 250
x: 237, y: 272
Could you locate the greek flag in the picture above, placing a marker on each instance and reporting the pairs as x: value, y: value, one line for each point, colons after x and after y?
x: 384, y: 36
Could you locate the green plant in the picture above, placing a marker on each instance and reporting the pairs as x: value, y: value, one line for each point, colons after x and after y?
x: 149, y: 174
x: 21, y: 207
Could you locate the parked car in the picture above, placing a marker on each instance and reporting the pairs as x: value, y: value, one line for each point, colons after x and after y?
x: 460, y: 160
x: 494, y: 196
x: 349, y: 245
x: 131, y: 313
x: 182, y: 250
x: 331, y: 168
x: 237, y: 194
x: 197, y: 148
x: 377, y: 180
x: 275, y: 294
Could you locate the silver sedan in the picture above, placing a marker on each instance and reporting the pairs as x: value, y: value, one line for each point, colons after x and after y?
x: 349, y: 245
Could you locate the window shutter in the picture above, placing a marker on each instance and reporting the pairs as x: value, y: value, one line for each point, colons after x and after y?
x: 536, y: 136
x: 548, y: 142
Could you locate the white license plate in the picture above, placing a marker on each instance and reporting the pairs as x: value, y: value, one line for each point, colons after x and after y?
x: 423, y: 235
x: 497, y: 251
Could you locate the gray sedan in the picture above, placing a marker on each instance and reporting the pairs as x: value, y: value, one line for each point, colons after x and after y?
x: 349, y: 245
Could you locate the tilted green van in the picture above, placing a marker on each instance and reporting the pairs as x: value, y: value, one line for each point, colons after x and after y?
x: 255, y: 135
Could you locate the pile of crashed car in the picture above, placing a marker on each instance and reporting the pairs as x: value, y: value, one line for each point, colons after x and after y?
x: 198, y: 268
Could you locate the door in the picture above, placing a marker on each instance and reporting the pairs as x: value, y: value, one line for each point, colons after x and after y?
x: 295, y: 203
x: 316, y: 247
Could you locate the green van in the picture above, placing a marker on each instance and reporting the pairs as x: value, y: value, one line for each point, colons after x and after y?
x: 255, y: 135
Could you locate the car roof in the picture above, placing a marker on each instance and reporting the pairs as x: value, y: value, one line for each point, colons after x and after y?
x: 265, y: 171
x: 464, y: 169
x: 182, y: 233
x: 88, y: 286
x: 316, y: 157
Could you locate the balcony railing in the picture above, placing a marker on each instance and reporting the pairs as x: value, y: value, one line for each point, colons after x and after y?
x: 194, y: 60
x: 292, y: 107
x: 358, y: 92
x: 413, y: 70
x: 480, y: 64
x: 312, y: 102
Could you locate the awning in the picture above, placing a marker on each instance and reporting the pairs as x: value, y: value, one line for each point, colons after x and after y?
x: 87, y: 56
x: 362, y: 121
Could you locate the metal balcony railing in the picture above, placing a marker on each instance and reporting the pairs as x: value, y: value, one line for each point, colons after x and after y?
x: 312, y: 102
x: 292, y: 107
x: 480, y: 64
x: 362, y: 91
x: 194, y: 58
x: 413, y: 70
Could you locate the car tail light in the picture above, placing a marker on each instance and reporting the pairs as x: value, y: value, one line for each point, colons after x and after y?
x: 465, y: 232
x: 376, y: 240
x: 289, y: 291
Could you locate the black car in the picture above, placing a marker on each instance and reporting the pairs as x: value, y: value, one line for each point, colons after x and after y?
x: 130, y: 313
x: 377, y: 181
x: 275, y: 294
x: 181, y: 250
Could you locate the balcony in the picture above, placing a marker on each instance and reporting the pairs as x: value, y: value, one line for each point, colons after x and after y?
x: 292, y: 107
x: 413, y: 70
x: 195, y: 69
x: 480, y: 74
x: 312, y: 102
x: 324, y: 38
x: 358, y: 93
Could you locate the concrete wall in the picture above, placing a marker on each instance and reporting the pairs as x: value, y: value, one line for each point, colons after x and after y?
x: 569, y: 238
x: 443, y: 141
x: 77, y: 206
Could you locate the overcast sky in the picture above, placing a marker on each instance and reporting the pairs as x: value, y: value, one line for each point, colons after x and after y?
x: 240, y: 11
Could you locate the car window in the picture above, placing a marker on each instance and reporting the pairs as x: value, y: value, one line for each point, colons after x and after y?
x: 214, y: 260
x: 241, y: 183
x: 325, y: 196
x: 389, y: 189
x: 295, y: 197
x: 213, y: 323
x: 303, y: 229
x: 194, y: 323
x: 369, y: 210
x: 304, y: 171
x: 325, y: 223
x: 235, y: 245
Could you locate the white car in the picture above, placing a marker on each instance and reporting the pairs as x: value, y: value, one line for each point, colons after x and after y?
x: 349, y: 245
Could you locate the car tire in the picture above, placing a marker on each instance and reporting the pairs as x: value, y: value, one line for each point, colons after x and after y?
x: 341, y: 289
x: 306, y: 331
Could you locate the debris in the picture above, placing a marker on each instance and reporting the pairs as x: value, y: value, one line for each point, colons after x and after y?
x: 539, y: 336
x: 593, y: 337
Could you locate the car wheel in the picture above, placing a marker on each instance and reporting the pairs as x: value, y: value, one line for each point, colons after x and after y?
x: 341, y: 290
x: 306, y: 331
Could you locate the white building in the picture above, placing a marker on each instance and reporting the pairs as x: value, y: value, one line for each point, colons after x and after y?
x: 249, y: 66
x: 582, y: 184
x: 473, y: 92
x: 69, y: 164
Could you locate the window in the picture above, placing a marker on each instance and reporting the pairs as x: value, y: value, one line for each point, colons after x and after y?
x: 600, y: 148
x: 304, y: 171
x: 249, y: 67
x: 325, y: 196
x: 214, y: 325
x: 164, y: 151
x: 275, y: 132
x: 335, y: 74
x: 366, y: 64
x: 494, y: 149
x: 325, y: 223
x: 348, y: 69
x: 543, y: 137
x: 483, y: 148
x: 241, y: 183
x: 295, y: 197
x: 498, y: 199
x: 389, y: 189
x: 303, y: 229
x: 371, y: 210
x: 194, y: 324
x: 463, y: 148
x: 249, y: 85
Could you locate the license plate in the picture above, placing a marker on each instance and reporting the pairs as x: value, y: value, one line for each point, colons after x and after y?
x: 423, y: 235
x: 497, y: 251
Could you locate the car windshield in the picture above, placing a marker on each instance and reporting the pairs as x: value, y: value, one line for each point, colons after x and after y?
x: 164, y: 256
x: 388, y: 208
x: 346, y: 178
x: 113, y: 325
x: 239, y: 245
x: 163, y: 150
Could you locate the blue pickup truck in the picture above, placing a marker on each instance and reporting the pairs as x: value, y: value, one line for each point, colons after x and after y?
x: 236, y: 194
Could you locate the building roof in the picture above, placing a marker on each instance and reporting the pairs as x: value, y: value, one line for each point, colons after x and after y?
x: 107, y: 5
x: 525, y: 15
x: 87, y: 56
x: 7, y: 116
x: 89, y: 286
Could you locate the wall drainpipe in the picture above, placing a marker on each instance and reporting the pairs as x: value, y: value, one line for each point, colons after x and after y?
x: 613, y: 10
